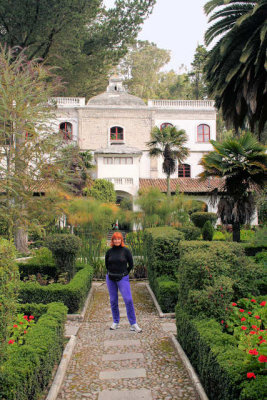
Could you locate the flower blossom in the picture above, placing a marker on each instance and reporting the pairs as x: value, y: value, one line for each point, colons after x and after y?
x: 234, y: 304
x: 253, y: 301
x: 244, y: 327
x: 243, y: 319
x: 263, y: 303
x: 11, y: 341
x: 251, y: 375
x: 254, y: 352
x: 241, y: 310
x: 262, y: 359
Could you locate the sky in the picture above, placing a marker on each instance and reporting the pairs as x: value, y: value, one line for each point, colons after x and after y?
x: 176, y: 25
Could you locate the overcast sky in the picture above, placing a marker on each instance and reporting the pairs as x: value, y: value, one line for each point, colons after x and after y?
x: 176, y: 25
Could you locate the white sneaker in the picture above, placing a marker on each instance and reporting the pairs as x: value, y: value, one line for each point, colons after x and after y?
x: 135, y: 328
x: 114, y: 326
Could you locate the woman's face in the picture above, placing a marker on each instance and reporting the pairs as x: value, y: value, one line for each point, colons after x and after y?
x: 117, y: 241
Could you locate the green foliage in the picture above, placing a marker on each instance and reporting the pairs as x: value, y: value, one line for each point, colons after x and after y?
x: 32, y: 309
x: 197, y: 73
x: 212, y: 273
x: 28, y: 369
x: 199, y: 218
x: 64, y: 249
x: 166, y: 292
x: 246, y: 235
x: 207, y: 231
x: 162, y: 253
x: 9, y: 283
x: 219, y: 363
x: 103, y: 190
x: 73, y: 294
x: 42, y: 256
x: 218, y: 235
x: 190, y: 232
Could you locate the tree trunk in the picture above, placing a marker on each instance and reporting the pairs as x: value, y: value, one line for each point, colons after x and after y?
x: 21, y: 240
x: 168, y: 186
x: 236, y: 232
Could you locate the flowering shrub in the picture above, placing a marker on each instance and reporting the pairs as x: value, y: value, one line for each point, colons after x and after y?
x: 20, y: 328
x: 247, y: 322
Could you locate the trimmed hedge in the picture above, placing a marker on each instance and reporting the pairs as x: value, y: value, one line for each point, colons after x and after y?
x: 218, y: 361
x: 252, y: 250
x: 32, y: 309
x: 190, y: 231
x: 162, y: 252
x: 28, y: 368
x: 199, y: 218
x: 166, y: 292
x: 73, y: 294
x: 26, y: 269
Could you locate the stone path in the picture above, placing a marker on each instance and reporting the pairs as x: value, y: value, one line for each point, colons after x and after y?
x: 124, y: 365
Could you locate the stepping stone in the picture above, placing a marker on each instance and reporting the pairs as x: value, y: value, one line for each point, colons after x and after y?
x: 122, y: 323
x: 141, y: 394
x: 127, y: 373
x: 71, y: 330
x: 120, y: 343
x: 122, y: 356
x: 169, y: 327
x: 118, y: 332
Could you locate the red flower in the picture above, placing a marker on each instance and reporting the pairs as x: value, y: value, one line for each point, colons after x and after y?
x: 241, y: 310
x: 222, y: 321
x: 263, y: 303
x: 249, y: 312
x: 31, y: 317
x: 243, y: 319
x: 221, y: 295
x: 226, y: 326
x: 234, y: 304
x: 254, y: 352
x: 260, y: 337
x: 253, y: 301
x: 251, y: 375
x: 25, y: 317
x: 252, y: 333
x: 11, y: 341
x: 15, y: 326
x: 262, y: 341
x: 244, y: 328
x: 21, y: 323
x: 257, y: 316
x: 254, y: 327
x: 25, y: 332
x: 262, y: 359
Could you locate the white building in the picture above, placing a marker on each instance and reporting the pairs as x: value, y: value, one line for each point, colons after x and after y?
x: 116, y: 126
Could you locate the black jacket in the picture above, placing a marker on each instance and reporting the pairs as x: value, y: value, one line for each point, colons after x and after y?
x: 119, y: 260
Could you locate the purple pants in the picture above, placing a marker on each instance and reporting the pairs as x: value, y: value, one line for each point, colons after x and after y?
x: 124, y: 287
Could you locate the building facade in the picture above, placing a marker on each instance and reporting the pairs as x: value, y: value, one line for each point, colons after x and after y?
x: 116, y: 127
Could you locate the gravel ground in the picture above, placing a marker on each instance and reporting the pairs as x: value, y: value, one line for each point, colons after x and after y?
x: 166, y: 377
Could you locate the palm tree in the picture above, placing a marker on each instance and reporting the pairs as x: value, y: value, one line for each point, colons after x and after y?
x: 169, y: 143
x: 242, y: 164
x: 235, y: 67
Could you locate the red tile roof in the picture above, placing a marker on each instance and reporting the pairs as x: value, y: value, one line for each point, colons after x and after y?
x: 185, y: 185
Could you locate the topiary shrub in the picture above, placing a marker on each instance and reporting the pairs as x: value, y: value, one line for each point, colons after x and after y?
x: 166, y: 292
x: 207, y: 231
x: 199, y: 218
x: 64, y: 249
x: 190, y: 231
x: 9, y: 284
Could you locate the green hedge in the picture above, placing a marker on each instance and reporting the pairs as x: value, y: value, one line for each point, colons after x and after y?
x: 73, y: 294
x: 213, y: 273
x: 190, y: 231
x: 166, y: 292
x: 162, y: 252
x: 199, y: 218
x: 252, y: 250
x: 28, y: 368
x: 219, y: 363
x: 26, y: 269
x: 32, y: 309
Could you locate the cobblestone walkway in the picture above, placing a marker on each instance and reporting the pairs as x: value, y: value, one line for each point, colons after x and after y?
x: 124, y: 365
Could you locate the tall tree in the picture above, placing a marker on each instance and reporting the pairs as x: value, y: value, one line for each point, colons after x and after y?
x: 141, y: 68
x: 236, y: 65
x: 168, y: 143
x: 79, y: 36
x: 242, y: 162
x: 28, y: 145
x: 174, y: 85
x: 197, y: 73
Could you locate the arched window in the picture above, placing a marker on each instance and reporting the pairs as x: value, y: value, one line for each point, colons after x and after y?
x: 165, y: 124
x: 66, y: 129
x: 184, y: 171
x: 203, y: 133
x: 116, y: 133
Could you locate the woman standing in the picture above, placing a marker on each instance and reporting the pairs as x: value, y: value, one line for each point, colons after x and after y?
x: 119, y: 262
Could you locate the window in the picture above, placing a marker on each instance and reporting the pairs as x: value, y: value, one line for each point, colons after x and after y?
x: 203, y: 133
x: 165, y: 125
x: 184, y: 171
x: 108, y: 160
x: 116, y: 133
x: 66, y: 129
x: 120, y: 160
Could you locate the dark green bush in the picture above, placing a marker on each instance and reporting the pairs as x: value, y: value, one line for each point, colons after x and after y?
x: 190, y: 231
x: 252, y: 250
x: 162, y: 252
x: 64, y: 249
x: 219, y: 363
x: 166, y: 292
x: 73, y: 294
x: 32, y: 309
x: 9, y: 283
x: 28, y: 368
x: 207, y: 231
x: 199, y: 218
x: 202, y: 266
